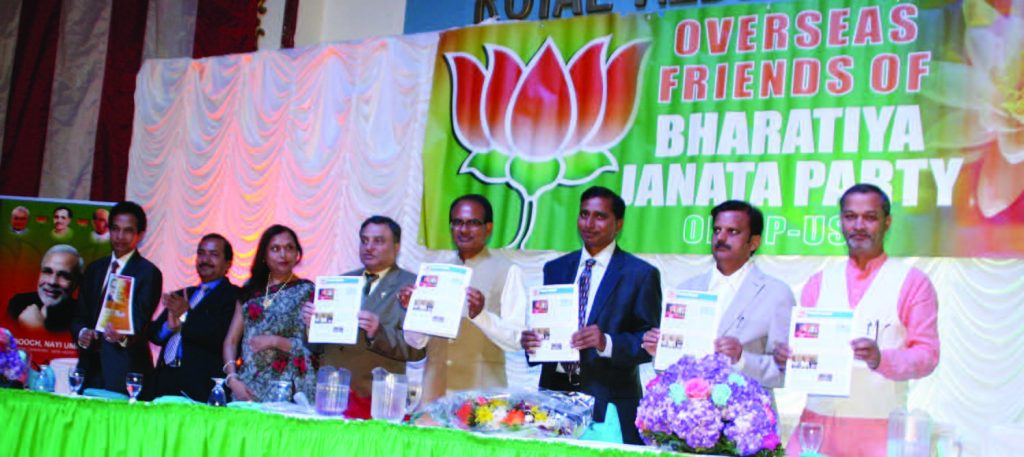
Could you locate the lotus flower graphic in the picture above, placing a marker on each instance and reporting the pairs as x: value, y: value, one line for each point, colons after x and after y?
x: 983, y: 99
x: 545, y: 123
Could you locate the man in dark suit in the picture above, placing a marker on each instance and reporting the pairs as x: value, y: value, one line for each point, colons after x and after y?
x: 192, y: 328
x: 381, y: 342
x: 620, y: 299
x: 107, y: 356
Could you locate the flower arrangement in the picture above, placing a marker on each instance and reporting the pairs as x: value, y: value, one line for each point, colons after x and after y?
x: 540, y: 414
x: 12, y: 367
x: 705, y: 407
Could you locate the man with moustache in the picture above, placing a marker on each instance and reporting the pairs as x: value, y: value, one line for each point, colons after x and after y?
x: 51, y: 306
x: 620, y: 299
x: 381, y: 342
x: 192, y: 328
x: 755, y: 307
x: 495, y: 313
x: 107, y: 356
x: 895, y: 322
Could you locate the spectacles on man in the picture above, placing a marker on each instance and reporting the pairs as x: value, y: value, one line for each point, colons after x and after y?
x: 470, y: 223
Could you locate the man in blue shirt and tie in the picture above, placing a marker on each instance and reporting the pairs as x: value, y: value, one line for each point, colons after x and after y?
x: 192, y: 327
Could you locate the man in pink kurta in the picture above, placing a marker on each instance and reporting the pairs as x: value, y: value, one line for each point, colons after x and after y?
x: 903, y: 347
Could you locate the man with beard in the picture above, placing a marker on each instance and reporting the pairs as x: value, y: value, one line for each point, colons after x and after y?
x: 192, y: 328
x: 755, y: 307
x: 895, y: 324
x: 51, y: 306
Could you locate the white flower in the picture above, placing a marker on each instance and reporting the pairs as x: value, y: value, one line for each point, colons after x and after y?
x: 984, y: 101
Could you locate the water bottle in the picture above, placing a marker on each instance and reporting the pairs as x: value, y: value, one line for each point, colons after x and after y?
x: 47, y: 379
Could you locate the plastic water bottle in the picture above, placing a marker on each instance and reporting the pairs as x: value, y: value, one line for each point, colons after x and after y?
x: 897, y: 429
x: 47, y: 379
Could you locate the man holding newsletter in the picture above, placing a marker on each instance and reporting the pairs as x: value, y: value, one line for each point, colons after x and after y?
x: 895, y: 315
x: 107, y: 355
x: 619, y: 299
x: 495, y: 309
x: 380, y: 342
x: 754, y: 307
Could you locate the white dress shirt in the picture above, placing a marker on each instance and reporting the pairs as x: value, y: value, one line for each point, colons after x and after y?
x: 726, y: 287
x: 601, y: 261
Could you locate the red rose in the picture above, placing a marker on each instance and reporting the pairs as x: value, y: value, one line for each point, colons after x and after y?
x: 465, y: 412
x: 279, y: 365
x: 254, y: 311
x: 300, y: 363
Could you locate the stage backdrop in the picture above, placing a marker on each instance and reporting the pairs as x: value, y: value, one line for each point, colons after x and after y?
x: 322, y: 137
x: 784, y: 107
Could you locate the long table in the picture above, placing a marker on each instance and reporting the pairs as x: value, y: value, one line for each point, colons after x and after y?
x: 39, y: 424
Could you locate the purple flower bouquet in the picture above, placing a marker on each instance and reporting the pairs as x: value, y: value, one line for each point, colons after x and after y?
x: 705, y: 407
x: 12, y: 368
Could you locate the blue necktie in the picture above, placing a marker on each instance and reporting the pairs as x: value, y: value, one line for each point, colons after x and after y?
x: 572, y: 368
x: 172, y: 353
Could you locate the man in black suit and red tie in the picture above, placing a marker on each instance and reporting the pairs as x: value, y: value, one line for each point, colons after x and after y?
x: 107, y: 356
x: 194, y: 323
x: 620, y: 299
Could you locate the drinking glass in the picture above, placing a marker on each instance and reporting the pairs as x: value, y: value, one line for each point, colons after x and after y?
x: 811, y: 436
x: 217, y: 395
x: 134, y: 384
x: 75, y: 380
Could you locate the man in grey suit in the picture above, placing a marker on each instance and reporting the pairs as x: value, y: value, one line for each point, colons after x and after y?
x: 756, y: 307
x: 381, y: 342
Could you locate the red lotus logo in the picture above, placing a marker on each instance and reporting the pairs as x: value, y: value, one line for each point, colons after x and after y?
x: 536, y: 125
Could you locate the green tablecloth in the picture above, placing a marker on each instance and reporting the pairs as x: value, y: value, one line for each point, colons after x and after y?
x: 38, y: 424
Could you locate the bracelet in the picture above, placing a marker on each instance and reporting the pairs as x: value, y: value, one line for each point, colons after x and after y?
x: 227, y: 379
x: 225, y: 368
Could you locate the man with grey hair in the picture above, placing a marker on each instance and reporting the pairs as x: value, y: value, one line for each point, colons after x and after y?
x: 19, y: 220
x: 51, y: 306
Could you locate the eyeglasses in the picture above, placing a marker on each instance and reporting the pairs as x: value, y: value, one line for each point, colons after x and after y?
x: 470, y: 223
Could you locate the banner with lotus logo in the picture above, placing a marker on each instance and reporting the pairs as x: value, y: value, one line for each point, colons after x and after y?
x: 783, y: 105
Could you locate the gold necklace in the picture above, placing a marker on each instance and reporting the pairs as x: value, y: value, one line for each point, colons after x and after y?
x: 269, y: 299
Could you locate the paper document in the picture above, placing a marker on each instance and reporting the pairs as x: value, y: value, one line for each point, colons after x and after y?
x: 336, y: 301
x: 554, y: 314
x: 117, y: 305
x: 820, y: 360
x: 689, y: 326
x: 437, y: 304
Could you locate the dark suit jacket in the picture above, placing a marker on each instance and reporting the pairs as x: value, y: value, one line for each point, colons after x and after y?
x: 388, y: 348
x: 106, y: 364
x: 202, y: 340
x: 627, y: 304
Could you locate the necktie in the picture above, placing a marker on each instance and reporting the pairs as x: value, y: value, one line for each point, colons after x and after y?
x: 370, y: 278
x: 172, y: 353
x: 584, y: 291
